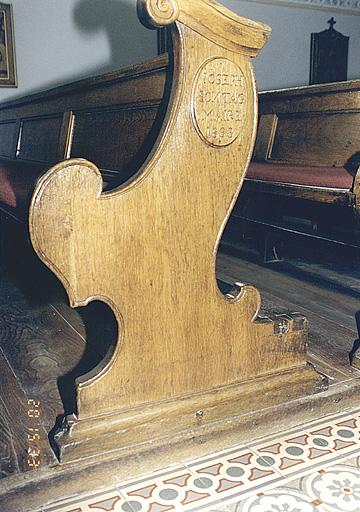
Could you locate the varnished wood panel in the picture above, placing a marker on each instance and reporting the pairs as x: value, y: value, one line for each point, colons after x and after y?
x: 46, y: 345
x: 47, y: 120
x: 39, y: 139
x: 340, y: 96
x: 316, y: 139
x: 135, y: 84
x: 7, y: 138
x: 141, y: 243
x: 265, y: 136
x: 112, y: 138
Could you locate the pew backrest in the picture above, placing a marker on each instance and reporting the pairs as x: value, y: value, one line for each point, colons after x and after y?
x: 309, y: 137
x: 112, y: 119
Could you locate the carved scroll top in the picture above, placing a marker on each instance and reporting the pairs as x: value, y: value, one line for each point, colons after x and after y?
x: 208, y: 18
x: 158, y: 13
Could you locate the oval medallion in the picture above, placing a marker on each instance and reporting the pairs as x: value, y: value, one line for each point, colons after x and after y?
x: 218, y: 102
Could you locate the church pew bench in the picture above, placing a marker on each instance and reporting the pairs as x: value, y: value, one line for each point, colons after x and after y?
x: 190, y: 365
x: 306, y: 149
x: 112, y: 119
x: 310, y: 141
x: 304, y: 176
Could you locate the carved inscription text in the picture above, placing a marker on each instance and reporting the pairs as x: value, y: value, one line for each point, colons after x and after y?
x: 218, y: 101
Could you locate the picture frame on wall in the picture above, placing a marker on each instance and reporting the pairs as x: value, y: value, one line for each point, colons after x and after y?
x: 7, y: 48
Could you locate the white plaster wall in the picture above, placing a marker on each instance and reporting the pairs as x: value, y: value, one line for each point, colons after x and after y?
x: 285, y: 60
x: 58, y: 41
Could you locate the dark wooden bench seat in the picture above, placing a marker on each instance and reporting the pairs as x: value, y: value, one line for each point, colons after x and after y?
x: 309, y: 136
x: 306, y: 146
x: 17, y: 181
x: 112, y: 119
x: 304, y: 176
x: 333, y: 178
x: 321, y: 184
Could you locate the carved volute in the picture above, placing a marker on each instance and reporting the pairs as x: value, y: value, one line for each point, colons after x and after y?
x: 148, y: 248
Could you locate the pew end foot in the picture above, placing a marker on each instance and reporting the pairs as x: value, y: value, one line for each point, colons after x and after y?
x: 209, y: 419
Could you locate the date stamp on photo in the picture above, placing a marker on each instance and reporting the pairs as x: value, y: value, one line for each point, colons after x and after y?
x: 33, y: 433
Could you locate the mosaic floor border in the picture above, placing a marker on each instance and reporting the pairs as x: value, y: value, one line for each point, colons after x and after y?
x: 246, y: 476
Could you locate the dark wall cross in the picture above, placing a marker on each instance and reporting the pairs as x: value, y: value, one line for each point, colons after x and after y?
x: 331, y: 23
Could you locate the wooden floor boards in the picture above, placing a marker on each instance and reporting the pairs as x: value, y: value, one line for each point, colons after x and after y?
x: 23, y: 438
x: 41, y: 355
x: 331, y: 313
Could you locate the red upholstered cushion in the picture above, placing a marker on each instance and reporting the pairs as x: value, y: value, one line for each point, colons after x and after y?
x: 16, y: 184
x: 328, y: 177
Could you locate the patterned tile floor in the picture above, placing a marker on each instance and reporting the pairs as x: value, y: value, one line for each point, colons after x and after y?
x: 315, y: 467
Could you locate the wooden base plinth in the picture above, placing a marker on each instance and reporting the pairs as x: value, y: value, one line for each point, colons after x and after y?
x: 200, y: 415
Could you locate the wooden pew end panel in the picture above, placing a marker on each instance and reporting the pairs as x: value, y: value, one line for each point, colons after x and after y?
x: 189, y: 361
